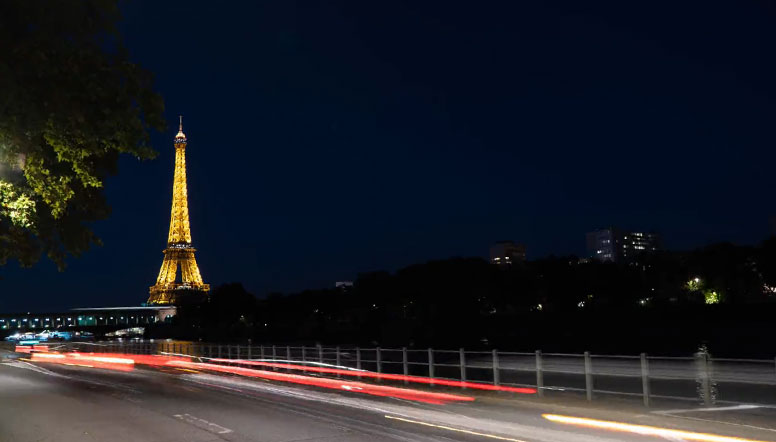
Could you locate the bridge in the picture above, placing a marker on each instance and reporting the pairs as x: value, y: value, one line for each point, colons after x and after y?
x: 80, y: 318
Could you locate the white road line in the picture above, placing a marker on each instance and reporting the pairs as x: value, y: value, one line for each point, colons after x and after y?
x: 35, y: 368
x: 692, y: 410
x: 754, y: 427
x: 675, y: 413
x: 459, y: 430
x: 202, y: 423
x: 28, y: 366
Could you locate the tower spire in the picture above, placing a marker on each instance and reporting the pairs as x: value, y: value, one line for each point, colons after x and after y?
x: 181, y: 135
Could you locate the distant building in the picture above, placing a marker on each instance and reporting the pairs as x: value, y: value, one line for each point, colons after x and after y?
x: 617, y: 245
x: 507, y: 252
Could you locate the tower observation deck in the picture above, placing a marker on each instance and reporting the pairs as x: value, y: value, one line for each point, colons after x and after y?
x: 169, y: 289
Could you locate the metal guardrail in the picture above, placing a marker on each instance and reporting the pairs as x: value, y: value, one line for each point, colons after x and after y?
x: 699, y: 378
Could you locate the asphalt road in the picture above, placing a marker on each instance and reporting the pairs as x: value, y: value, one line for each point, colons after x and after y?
x: 49, y: 402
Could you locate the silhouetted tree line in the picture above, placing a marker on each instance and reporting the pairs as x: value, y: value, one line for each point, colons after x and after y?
x: 668, y: 302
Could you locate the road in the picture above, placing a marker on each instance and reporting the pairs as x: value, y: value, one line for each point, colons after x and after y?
x: 48, y: 402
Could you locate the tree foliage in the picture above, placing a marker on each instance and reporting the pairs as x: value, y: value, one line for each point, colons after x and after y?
x: 71, y: 102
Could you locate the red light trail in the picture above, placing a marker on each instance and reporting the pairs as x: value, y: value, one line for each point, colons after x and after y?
x: 127, y: 362
x: 386, y: 376
x: 336, y: 384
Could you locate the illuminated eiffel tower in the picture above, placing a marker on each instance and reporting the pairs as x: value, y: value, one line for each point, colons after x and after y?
x: 179, y: 252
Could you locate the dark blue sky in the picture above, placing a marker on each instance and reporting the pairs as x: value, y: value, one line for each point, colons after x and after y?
x: 330, y: 138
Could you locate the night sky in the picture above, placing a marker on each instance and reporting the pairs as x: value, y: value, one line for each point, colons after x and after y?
x: 327, y: 138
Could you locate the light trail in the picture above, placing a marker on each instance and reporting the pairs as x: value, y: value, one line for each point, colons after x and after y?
x: 459, y: 430
x: 335, y: 384
x: 31, y: 348
x: 386, y: 376
x: 643, y: 429
x: 126, y: 362
x: 47, y: 356
x: 106, y: 361
x: 111, y: 360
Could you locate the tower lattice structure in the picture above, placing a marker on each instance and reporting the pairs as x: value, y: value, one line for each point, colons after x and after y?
x: 169, y: 289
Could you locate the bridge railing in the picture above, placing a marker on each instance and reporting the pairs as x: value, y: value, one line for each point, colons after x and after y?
x: 698, y: 378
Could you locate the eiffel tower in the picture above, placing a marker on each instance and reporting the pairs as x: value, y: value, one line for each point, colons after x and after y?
x: 179, y: 251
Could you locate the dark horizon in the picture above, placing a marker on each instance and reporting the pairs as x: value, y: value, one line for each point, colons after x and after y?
x: 329, y: 140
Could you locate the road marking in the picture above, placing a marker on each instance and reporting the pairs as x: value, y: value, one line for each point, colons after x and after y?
x: 692, y: 410
x: 643, y: 429
x: 427, y: 424
x: 202, y: 423
x: 675, y: 413
x: 126, y: 397
x: 36, y: 368
x: 754, y: 427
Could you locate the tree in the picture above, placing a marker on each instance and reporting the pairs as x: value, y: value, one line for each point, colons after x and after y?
x: 70, y: 103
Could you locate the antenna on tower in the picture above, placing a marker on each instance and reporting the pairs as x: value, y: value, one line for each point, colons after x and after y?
x: 180, y: 136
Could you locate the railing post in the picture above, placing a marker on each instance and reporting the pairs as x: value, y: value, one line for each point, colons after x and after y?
x: 462, y: 357
x: 378, y: 360
x: 304, y: 359
x: 431, y: 365
x: 496, y: 373
x: 320, y: 353
x: 249, y: 351
x: 219, y: 350
x: 288, y: 353
x: 337, y: 359
x: 261, y: 351
x: 405, y: 364
x: 358, y: 361
x: 588, y: 376
x: 645, y: 378
x: 274, y: 357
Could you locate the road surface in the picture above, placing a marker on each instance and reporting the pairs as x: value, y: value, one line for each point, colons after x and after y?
x: 48, y: 402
